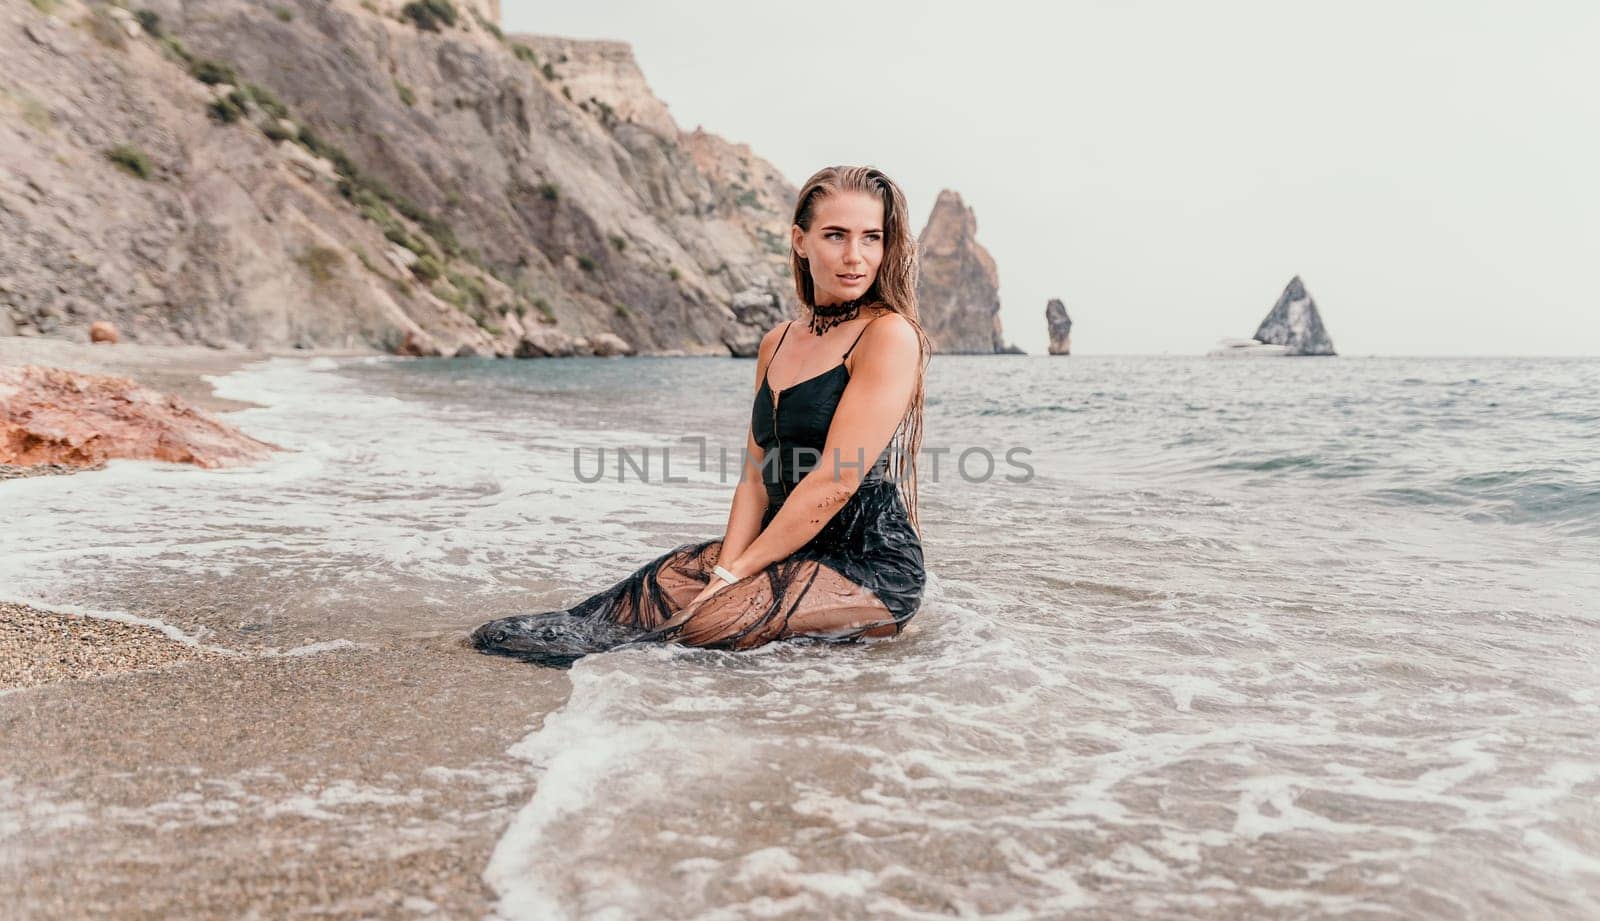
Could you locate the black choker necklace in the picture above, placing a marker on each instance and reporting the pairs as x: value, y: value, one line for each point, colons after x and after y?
x: 824, y: 318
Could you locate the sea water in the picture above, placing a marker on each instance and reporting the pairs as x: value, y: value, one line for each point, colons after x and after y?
x: 1282, y: 638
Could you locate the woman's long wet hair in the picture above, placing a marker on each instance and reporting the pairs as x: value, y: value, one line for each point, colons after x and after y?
x: 895, y: 287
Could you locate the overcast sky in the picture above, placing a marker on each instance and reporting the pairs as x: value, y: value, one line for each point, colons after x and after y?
x: 1428, y: 168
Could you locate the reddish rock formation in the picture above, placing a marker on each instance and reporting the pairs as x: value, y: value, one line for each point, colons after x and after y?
x: 52, y: 416
x: 103, y: 331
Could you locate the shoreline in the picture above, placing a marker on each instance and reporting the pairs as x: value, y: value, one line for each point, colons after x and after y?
x: 39, y: 646
x: 178, y: 370
x: 259, y: 765
x: 182, y: 371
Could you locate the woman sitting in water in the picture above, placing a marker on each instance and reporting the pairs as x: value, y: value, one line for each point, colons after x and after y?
x: 820, y: 542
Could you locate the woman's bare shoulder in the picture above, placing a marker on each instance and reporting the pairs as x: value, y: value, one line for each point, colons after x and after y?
x: 889, y: 331
x: 769, y: 341
x: 888, y: 345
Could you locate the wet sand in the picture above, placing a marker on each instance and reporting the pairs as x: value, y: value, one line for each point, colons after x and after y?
x: 355, y: 783
x: 143, y: 777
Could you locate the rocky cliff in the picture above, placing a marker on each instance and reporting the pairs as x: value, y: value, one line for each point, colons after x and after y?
x: 958, y: 289
x: 1295, y: 323
x: 1055, y: 315
x: 367, y: 173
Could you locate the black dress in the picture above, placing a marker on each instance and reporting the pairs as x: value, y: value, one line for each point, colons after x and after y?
x: 861, y: 575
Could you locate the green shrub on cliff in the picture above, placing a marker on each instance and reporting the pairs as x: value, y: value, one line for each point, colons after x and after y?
x: 178, y: 52
x: 211, y: 72
x: 429, y: 14
x: 266, y: 101
x: 320, y: 262
x: 427, y: 268
x: 283, y: 13
x: 366, y: 260
x: 524, y: 53
x: 230, y: 108
x: 406, y: 94
x: 275, y: 131
x: 472, y: 287
x: 132, y: 159
x: 449, y: 295
x: 150, y: 23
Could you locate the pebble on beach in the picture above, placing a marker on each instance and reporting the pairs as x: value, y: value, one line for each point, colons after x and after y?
x: 42, y: 647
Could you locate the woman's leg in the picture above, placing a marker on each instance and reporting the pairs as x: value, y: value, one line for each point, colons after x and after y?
x: 655, y: 602
x: 791, y: 599
x: 653, y: 593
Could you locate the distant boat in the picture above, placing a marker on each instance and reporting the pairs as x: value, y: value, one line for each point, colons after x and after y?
x: 1248, y: 348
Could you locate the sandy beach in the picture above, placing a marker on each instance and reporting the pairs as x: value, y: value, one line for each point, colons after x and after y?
x: 42, y: 647
x: 146, y: 776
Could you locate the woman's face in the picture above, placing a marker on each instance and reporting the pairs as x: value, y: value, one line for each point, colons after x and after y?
x: 844, y: 245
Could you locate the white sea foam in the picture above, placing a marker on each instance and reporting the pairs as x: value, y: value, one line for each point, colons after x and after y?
x: 311, y: 649
x: 374, y: 496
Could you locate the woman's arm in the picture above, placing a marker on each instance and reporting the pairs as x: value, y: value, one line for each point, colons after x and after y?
x: 750, y: 496
x: 873, y: 404
x: 749, y: 506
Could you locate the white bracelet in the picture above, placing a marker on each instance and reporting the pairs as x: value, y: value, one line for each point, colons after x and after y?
x: 722, y: 573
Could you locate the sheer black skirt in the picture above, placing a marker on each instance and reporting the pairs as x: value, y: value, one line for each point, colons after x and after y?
x: 861, y: 576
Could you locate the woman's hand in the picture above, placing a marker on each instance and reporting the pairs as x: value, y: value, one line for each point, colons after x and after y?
x: 716, y: 584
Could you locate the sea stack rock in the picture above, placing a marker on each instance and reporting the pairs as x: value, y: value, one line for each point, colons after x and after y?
x: 1295, y: 324
x: 958, y: 291
x: 1055, y: 314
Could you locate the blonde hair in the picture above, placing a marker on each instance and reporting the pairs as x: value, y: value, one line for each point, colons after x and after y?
x: 895, y: 287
